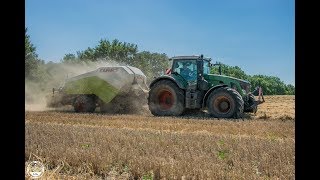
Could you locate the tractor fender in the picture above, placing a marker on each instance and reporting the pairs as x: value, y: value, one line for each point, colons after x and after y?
x: 209, y: 91
x: 166, y: 77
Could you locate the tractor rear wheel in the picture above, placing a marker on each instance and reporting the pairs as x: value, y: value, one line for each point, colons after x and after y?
x: 166, y: 99
x: 84, y: 103
x: 225, y: 102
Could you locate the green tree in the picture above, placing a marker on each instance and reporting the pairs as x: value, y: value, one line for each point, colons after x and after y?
x: 31, y: 61
x: 271, y: 85
x: 34, y: 67
x: 152, y: 64
x: 115, y: 50
x: 69, y: 58
x: 290, y: 90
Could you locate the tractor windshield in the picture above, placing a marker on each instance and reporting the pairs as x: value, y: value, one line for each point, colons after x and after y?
x: 186, y: 68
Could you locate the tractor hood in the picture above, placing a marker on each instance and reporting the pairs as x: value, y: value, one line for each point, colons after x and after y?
x: 215, y: 79
x: 223, y: 77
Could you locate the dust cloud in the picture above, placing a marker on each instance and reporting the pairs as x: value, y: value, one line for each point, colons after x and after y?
x: 56, y: 74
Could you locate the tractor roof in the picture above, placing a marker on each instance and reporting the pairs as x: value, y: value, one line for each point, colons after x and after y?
x: 189, y: 57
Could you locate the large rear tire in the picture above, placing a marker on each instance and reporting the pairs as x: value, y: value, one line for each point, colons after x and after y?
x: 225, y: 102
x: 166, y: 99
x: 84, y: 103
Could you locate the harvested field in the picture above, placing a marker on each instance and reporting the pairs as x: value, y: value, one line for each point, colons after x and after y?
x: 194, y: 146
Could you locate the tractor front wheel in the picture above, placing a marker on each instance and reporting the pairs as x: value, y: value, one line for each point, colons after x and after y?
x: 249, y: 105
x: 225, y: 102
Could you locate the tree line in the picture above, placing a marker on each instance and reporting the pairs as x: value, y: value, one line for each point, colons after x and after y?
x: 152, y: 64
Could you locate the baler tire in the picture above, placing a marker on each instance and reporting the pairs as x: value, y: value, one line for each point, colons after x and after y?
x: 84, y: 103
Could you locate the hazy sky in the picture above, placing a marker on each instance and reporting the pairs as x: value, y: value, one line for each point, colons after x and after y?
x: 256, y: 35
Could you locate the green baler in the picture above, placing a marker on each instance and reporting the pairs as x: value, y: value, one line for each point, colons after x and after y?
x: 112, y: 88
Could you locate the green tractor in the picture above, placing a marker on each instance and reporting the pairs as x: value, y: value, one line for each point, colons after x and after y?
x: 189, y: 85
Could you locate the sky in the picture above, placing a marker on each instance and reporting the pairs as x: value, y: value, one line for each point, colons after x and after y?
x: 256, y: 35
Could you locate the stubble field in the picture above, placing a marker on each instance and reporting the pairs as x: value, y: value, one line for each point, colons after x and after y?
x: 141, y: 146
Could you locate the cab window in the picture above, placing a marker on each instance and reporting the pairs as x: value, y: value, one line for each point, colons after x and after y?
x: 206, y: 67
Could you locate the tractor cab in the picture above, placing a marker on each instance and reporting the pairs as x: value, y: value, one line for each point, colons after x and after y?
x: 192, y: 70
